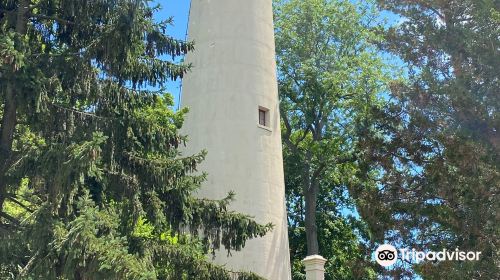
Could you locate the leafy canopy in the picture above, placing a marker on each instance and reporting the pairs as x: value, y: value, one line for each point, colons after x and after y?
x: 331, y: 82
x: 439, y: 157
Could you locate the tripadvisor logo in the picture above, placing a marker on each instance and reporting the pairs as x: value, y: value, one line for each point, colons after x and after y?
x: 387, y: 255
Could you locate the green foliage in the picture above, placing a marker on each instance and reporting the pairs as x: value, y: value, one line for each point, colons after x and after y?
x: 439, y: 154
x: 92, y: 181
x: 331, y: 82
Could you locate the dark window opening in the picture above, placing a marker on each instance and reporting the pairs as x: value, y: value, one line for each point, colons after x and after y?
x: 262, y: 117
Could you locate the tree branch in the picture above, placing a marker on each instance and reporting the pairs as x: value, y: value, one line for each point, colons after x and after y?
x: 79, y: 112
x: 10, y: 218
x: 59, y: 20
x: 11, y: 198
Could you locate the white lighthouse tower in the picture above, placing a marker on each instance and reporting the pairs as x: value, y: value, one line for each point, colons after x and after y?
x: 233, y: 99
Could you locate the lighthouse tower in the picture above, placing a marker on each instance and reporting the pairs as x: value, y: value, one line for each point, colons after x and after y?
x: 233, y: 99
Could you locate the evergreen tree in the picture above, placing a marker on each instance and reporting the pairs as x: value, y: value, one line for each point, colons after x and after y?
x: 439, y: 154
x: 92, y: 182
x: 331, y: 78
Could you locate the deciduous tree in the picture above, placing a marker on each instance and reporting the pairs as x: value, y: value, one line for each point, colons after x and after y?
x: 331, y: 78
x: 440, y: 168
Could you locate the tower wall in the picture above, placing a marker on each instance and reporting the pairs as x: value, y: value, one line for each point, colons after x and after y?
x: 233, y: 75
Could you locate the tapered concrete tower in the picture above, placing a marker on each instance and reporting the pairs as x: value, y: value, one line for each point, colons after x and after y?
x: 233, y: 99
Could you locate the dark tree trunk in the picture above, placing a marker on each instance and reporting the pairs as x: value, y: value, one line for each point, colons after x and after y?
x: 310, y: 219
x: 310, y: 191
x: 6, y: 138
x: 9, y: 119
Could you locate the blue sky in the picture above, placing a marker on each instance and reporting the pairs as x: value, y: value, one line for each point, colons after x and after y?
x: 179, y: 9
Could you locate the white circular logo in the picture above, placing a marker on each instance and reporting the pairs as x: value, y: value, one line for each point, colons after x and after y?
x: 386, y: 255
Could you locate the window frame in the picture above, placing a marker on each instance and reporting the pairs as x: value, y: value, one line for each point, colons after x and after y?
x: 267, y: 118
x: 263, y: 117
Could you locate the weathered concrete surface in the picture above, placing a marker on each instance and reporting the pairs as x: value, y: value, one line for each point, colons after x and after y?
x: 234, y: 73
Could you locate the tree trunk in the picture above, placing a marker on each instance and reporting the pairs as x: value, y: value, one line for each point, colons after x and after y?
x: 311, y: 197
x: 9, y: 119
x: 7, y: 133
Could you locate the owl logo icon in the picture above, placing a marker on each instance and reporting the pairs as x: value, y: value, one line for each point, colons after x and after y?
x: 386, y: 255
